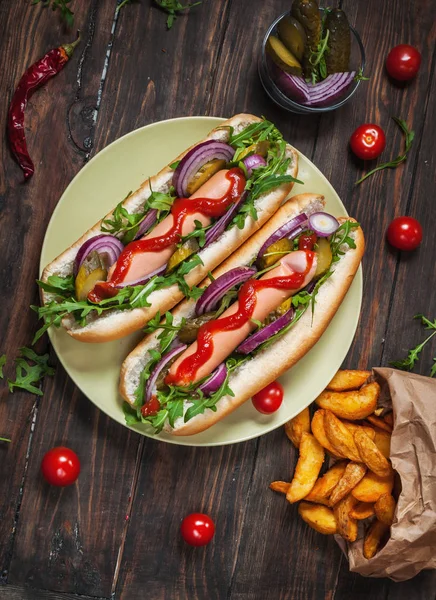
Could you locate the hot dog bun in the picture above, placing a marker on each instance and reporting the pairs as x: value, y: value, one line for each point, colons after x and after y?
x: 116, y: 324
x: 269, y: 364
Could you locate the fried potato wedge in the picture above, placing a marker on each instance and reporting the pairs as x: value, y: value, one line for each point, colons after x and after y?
x: 295, y: 427
x: 354, y: 472
x: 308, y: 467
x: 385, y: 509
x: 371, y: 455
x: 318, y: 431
x: 279, y: 486
x: 352, y: 405
x: 346, y: 380
x: 347, y: 526
x: 382, y: 440
x: 324, y: 486
x: 379, y: 422
x: 374, y: 538
x: 389, y: 419
x: 372, y: 486
x: 362, y: 510
x: 319, y: 517
x: 340, y: 438
x: 353, y: 427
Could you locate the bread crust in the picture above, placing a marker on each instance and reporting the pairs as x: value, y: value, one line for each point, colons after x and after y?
x: 278, y: 358
x: 114, y: 325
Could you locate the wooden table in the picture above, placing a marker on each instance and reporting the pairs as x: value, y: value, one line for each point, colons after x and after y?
x: 115, y: 533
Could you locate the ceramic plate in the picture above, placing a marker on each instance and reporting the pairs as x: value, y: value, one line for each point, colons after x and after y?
x: 94, y: 368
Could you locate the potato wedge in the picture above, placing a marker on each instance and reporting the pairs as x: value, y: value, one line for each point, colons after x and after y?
x: 295, y: 427
x: 382, y: 440
x: 308, y: 467
x: 279, y: 486
x: 318, y: 431
x: 346, y: 380
x: 362, y: 510
x: 389, y: 419
x: 374, y: 538
x: 385, y: 509
x: 379, y: 422
x: 351, y: 405
x: 354, y: 472
x: 340, y: 438
x: 319, y: 517
x: 371, y: 455
x: 353, y: 427
x: 371, y: 487
x: 323, y: 487
x: 347, y: 526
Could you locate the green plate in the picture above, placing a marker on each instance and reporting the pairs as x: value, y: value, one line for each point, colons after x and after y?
x: 94, y: 368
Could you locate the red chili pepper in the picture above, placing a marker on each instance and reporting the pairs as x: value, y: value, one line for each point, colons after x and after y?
x: 35, y: 76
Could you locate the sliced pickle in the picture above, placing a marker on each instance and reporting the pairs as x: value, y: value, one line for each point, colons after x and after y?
x: 292, y: 34
x: 282, y: 56
x: 189, y: 247
x: 204, y: 174
x: 188, y: 333
x: 92, y: 270
x: 257, y: 148
x: 278, y: 312
x: 276, y: 251
x: 324, y: 257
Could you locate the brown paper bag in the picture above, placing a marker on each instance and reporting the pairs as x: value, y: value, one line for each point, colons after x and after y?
x: 412, y: 544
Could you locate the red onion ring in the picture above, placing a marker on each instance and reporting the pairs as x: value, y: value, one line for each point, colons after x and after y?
x: 215, y: 381
x: 106, y: 243
x: 148, y: 221
x: 218, y: 228
x: 253, y: 341
x: 195, y: 159
x: 150, y: 387
x: 254, y: 161
x: 216, y: 290
x: 143, y: 279
x: 286, y: 230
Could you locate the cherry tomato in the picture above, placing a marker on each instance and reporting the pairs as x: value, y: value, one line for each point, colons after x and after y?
x: 269, y: 399
x: 368, y: 141
x: 60, y: 466
x: 307, y: 241
x: 197, y: 529
x: 403, y: 62
x: 404, y: 233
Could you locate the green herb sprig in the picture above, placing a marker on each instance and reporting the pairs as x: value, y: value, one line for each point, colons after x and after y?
x: 409, y: 136
x: 31, y: 368
x: 171, y: 7
x: 2, y: 364
x: 66, y: 13
x: 408, y: 363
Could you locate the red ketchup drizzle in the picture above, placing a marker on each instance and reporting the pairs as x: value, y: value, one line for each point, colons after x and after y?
x: 181, y: 208
x: 150, y: 408
x: 188, y: 368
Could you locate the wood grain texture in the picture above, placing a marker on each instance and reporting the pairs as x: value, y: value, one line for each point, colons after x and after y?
x: 13, y: 592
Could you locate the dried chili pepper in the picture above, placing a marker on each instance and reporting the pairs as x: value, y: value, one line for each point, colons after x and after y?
x: 35, y: 76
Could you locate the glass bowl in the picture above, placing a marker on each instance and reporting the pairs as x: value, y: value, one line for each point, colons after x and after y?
x: 357, y: 63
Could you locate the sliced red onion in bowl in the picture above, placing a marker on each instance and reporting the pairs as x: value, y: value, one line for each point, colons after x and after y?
x: 215, y: 381
x: 216, y: 290
x: 146, y: 223
x: 142, y: 280
x: 286, y: 230
x: 195, y: 159
x: 323, y: 224
x: 150, y: 387
x: 254, y: 161
x: 337, y: 86
x: 219, y: 226
x: 103, y: 243
x: 256, y: 339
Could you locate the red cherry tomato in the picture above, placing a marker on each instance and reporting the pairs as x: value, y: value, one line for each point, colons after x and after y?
x: 269, y: 399
x: 403, y: 62
x: 60, y: 466
x: 368, y: 141
x: 197, y: 529
x: 404, y: 233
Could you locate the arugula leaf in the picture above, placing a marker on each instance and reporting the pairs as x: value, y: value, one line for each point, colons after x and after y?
x: 409, y: 136
x: 317, y: 59
x: 27, y: 374
x: 408, y: 363
x: 174, y: 165
x: 433, y: 369
x: 65, y: 12
x: 2, y: 439
x: 198, y: 233
x: 58, y: 285
x: 2, y: 364
x: 173, y: 7
x: 130, y: 414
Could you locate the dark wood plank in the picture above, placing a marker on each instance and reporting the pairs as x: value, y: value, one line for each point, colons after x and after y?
x: 78, y: 531
x: 13, y: 592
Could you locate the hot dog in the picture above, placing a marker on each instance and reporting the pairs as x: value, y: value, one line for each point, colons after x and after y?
x: 157, y: 244
x: 259, y: 313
